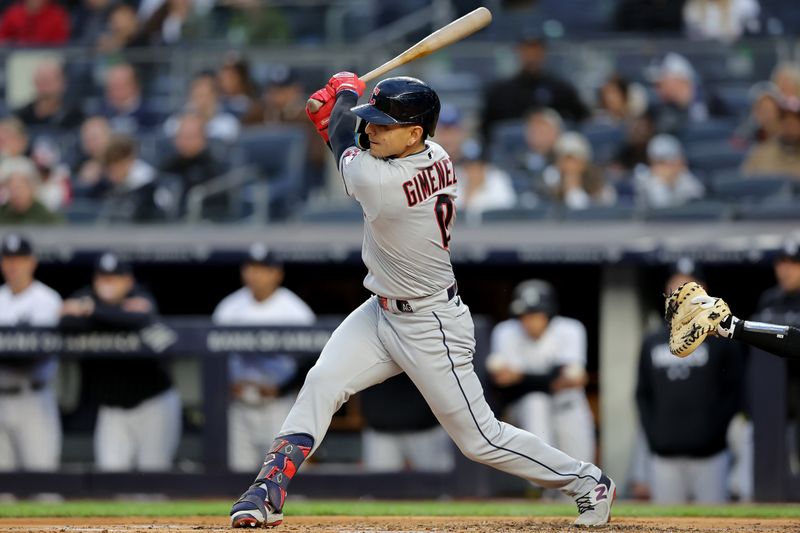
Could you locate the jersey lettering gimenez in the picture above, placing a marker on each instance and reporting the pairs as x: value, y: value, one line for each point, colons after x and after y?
x: 409, y: 210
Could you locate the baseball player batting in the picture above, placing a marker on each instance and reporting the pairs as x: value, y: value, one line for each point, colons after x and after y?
x: 416, y: 322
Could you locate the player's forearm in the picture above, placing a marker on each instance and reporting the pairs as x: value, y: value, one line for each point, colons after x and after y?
x: 783, y: 341
x: 342, y: 127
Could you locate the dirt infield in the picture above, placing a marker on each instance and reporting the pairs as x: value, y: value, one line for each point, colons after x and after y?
x: 351, y: 524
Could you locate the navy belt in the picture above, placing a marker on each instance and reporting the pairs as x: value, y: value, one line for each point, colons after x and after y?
x: 405, y: 306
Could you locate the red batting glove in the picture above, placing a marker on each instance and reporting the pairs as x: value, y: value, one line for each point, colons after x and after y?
x: 347, y: 81
x: 327, y: 98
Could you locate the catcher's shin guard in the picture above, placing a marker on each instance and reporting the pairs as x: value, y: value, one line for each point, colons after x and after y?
x: 262, y: 504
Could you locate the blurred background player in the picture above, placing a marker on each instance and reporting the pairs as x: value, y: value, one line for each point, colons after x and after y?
x: 139, y: 417
x: 263, y: 387
x: 538, y: 361
x: 685, y: 407
x: 409, y: 438
x: 29, y: 421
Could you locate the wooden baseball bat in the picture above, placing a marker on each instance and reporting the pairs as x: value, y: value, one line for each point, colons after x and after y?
x: 453, y: 32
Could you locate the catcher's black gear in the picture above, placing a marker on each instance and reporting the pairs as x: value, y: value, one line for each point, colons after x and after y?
x: 534, y: 295
x: 402, y: 100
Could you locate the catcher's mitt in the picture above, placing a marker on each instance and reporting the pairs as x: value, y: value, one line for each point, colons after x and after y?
x: 692, y: 315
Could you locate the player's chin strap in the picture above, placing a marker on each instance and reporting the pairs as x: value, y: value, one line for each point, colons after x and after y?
x: 281, y: 464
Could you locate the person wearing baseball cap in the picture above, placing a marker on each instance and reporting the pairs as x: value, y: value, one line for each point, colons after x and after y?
x: 667, y: 181
x: 572, y: 181
x: 532, y: 87
x: 139, y: 417
x: 537, y: 367
x: 690, y: 460
x: 28, y: 408
x: 263, y: 387
x: 779, y: 156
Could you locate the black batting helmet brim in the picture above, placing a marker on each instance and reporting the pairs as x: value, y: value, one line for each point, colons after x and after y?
x: 369, y: 113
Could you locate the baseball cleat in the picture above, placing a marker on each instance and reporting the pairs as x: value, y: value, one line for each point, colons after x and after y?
x: 251, y: 510
x: 595, y: 506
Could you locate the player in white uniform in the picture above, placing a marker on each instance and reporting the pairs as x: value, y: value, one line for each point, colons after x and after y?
x: 540, y: 344
x: 29, y: 422
x: 415, y: 322
x: 259, y: 402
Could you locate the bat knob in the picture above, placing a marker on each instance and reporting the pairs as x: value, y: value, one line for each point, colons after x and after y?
x: 313, y: 105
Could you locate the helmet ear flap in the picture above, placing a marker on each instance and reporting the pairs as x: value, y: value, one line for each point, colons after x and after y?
x: 362, y: 139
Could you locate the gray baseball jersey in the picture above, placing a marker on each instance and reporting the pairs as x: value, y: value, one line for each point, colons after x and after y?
x: 408, y: 212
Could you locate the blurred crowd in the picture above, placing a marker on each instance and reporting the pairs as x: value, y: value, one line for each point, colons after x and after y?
x: 96, y: 143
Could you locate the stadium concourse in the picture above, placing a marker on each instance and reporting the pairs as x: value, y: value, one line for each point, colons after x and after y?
x: 160, y: 149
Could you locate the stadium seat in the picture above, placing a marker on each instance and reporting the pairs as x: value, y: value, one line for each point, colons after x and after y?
x: 279, y: 154
x: 709, y: 130
x: 697, y: 211
x: 507, y: 141
x: 712, y: 155
x: 518, y: 214
x: 605, y: 140
x: 752, y: 190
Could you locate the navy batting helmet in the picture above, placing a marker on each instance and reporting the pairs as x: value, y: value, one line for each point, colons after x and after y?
x: 534, y: 295
x: 402, y: 100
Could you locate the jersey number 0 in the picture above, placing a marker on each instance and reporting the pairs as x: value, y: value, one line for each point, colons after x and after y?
x: 445, y: 213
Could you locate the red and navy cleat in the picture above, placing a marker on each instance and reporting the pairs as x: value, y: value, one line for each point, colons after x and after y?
x: 251, y: 510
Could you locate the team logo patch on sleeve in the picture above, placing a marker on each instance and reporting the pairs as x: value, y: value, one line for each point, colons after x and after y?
x: 349, y: 155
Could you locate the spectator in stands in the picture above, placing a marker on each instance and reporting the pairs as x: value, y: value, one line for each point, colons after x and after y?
x: 176, y: 21
x: 204, y: 102
x: 450, y: 132
x: 192, y: 160
x: 123, y: 30
x: 685, y: 407
x: 263, y: 387
x: 130, y: 190
x: 667, y: 181
x: 122, y: 169
x: 680, y: 97
x: 87, y: 167
x: 631, y: 157
x: 532, y: 87
x: 34, y: 23
x: 764, y: 121
x: 29, y: 420
x: 284, y: 97
x: 786, y: 78
x: 410, y: 438
x: 481, y: 185
x: 20, y: 182
x: 239, y: 92
x: 55, y: 189
x: 721, y: 20
x: 620, y: 101
x: 572, y: 181
x: 543, y: 128
x: 90, y: 20
x: 537, y: 368
x: 48, y: 108
x: 652, y: 16
x: 139, y: 418
x: 13, y: 138
x: 779, y: 156
x: 124, y: 106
